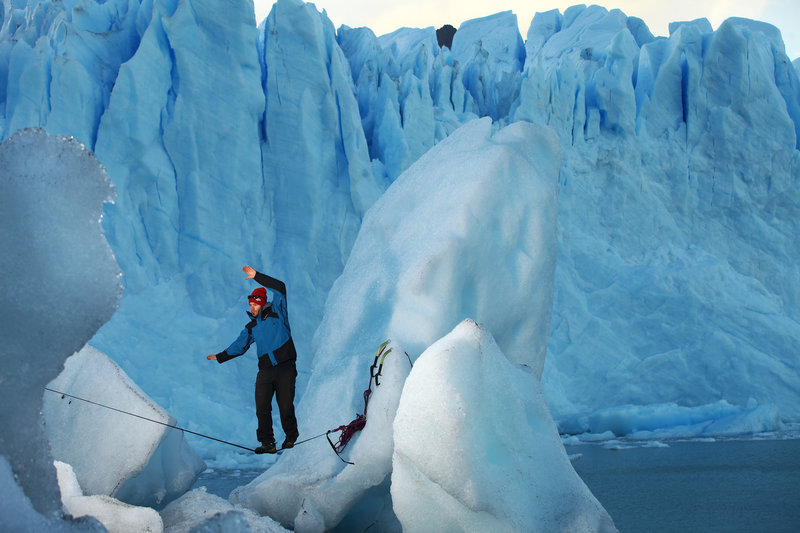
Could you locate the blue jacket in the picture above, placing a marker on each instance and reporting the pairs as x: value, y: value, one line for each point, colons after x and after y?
x: 270, y: 330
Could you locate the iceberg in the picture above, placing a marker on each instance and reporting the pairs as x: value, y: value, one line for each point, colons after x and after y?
x: 61, y: 284
x: 200, y: 511
x: 115, y: 515
x: 439, y: 240
x: 66, y: 284
x: 458, y: 465
x: 115, y: 440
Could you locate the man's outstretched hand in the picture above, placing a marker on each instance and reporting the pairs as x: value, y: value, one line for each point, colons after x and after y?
x: 211, y: 357
x: 250, y: 271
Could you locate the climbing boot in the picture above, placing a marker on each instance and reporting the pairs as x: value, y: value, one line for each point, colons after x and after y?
x: 267, y: 448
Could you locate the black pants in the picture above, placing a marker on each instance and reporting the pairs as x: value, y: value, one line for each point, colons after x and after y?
x: 278, y: 381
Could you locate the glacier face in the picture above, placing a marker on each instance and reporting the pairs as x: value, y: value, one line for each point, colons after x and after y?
x: 674, y: 284
x: 677, y: 194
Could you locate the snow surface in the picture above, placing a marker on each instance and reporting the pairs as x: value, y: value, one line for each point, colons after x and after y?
x: 675, y: 305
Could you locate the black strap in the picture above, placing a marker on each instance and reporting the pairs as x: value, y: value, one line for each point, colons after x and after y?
x: 333, y: 446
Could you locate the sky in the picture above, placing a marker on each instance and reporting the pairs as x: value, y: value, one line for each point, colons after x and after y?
x: 385, y: 17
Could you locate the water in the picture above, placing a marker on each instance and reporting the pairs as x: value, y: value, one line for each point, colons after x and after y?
x: 222, y: 482
x: 737, y: 486
x: 694, y: 486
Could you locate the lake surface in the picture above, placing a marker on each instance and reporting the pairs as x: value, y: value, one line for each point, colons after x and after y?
x: 695, y: 486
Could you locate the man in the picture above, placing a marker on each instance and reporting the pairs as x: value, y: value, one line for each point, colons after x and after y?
x: 277, y: 371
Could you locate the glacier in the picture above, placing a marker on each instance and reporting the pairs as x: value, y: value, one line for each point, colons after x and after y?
x: 675, y: 302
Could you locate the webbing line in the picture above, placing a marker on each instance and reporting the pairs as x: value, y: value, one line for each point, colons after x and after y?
x: 63, y: 394
x: 347, y: 431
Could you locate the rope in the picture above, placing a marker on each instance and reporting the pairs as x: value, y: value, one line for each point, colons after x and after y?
x: 348, y: 431
x: 310, y: 438
x: 63, y: 394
